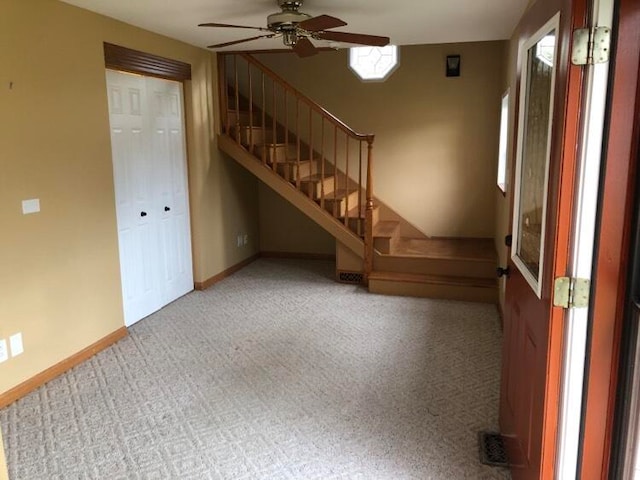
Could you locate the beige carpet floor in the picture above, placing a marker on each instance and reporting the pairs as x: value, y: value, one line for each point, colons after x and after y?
x: 277, y: 372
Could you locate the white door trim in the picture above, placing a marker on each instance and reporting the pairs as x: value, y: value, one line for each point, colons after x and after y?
x: 581, y: 258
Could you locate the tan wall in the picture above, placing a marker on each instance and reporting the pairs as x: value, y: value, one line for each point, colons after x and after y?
x: 4, y: 475
x: 59, y: 273
x: 283, y: 228
x: 436, y: 137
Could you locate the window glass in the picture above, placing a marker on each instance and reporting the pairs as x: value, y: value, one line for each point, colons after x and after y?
x: 374, y: 63
x: 502, y: 152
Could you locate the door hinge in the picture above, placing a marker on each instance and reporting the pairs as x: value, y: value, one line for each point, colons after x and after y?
x: 591, y: 45
x: 571, y: 292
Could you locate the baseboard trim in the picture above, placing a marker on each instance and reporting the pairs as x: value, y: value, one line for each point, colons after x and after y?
x: 299, y: 255
x: 50, y: 373
x: 226, y: 273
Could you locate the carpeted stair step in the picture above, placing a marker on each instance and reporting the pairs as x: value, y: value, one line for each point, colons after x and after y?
x: 276, y: 152
x: 434, y: 286
x: 256, y: 135
x: 241, y: 117
x: 474, y: 258
x: 314, y: 185
x: 340, y: 201
x: 385, y: 236
x: 357, y: 217
x: 291, y: 169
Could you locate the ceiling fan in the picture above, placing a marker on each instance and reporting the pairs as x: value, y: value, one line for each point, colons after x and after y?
x: 297, y: 28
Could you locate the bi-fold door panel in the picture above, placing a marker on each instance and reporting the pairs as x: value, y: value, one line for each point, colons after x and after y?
x: 149, y: 161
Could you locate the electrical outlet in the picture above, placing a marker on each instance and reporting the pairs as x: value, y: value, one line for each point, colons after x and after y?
x: 30, y: 206
x: 15, y: 343
x: 4, y: 352
x: 239, y: 241
x: 246, y: 239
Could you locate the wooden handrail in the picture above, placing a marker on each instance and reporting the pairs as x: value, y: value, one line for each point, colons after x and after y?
x: 336, y: 160
x: 301, y: 96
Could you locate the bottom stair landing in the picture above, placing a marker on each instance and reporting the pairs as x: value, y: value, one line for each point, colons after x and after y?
x: 455, y: 269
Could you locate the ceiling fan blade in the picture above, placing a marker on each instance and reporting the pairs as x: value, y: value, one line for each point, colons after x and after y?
x: 304, y: 48
x: 321, y: 22
x: 226, y: 25
x: 358, y: 38
x: 235, y: 42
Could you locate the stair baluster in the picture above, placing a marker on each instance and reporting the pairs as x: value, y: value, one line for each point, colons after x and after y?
x: 250, y: 106
x: 322, y: 167
x: 237, y: 96
x: 358, y: 226
x: 264, y: 120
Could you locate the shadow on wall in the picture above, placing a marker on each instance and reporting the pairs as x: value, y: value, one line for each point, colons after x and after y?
x: 436, y: 146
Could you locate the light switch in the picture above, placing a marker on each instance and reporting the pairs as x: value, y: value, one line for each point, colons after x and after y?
x: 31, y: 206
x: 4, y: 353
x: 15, y: 342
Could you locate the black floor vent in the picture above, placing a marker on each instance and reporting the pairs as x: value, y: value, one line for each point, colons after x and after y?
x: 492, y: 451
x: 355, y: 278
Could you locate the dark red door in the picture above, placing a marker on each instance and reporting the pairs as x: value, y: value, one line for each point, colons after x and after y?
x: 549, y: 97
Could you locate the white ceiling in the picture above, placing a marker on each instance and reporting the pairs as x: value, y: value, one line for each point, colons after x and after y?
x: 407, y: 22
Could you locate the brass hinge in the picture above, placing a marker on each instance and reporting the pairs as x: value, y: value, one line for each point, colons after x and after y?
x: 571, y: 292
x: 591, y: 46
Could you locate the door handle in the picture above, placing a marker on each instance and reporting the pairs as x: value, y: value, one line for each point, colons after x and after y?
x: 508, y: 240
x: 143, y: 214
x: 503, y: 272
x: 167, y: 209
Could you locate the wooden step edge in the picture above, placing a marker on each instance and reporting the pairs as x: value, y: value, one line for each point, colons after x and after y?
x: 360, y: 212
x: 435, y: 279
x: 447, y: 258
x: 274, y: 145
x: 316, y: 178
x: 293, y: 163
x: 339, y: 194
x: 386, y: 229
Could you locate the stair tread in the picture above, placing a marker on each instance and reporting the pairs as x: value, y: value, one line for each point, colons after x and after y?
x: 276, y: 144
x: 340, y: 194
x: 476, y: 250
x: 439, y: 279
x: 386, y: 228
x: 295, y: 162
x: 359, y: 211
x: 316, y: 177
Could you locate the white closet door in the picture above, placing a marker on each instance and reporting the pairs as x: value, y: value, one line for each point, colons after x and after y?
x: 170, y: 167
x: 134, y: 190
x: 149, y: 164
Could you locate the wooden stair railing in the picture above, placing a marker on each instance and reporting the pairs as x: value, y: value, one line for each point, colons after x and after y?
x: 301, y: 141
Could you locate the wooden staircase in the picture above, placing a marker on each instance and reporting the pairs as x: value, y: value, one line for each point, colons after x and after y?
x: 325, y: 169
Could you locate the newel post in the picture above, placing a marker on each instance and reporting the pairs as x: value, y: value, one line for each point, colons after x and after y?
x: 368, y: 218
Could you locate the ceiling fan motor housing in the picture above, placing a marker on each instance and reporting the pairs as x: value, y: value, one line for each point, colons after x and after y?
x: 289, y: 4
x: 281, y: 21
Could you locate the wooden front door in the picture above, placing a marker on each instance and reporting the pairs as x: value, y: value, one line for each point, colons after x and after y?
x: 549, y: 94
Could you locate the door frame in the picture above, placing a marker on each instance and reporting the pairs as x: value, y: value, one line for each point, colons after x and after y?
x: 128, y: 60
x: 612, y: 246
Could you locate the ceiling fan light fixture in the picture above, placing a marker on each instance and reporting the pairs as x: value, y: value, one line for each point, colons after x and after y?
x: 289, y: 38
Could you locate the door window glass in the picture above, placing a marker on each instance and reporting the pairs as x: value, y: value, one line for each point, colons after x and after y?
x: 532, y: 166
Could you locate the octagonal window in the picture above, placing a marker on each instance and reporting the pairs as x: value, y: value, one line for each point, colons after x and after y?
x: 374, y: 64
